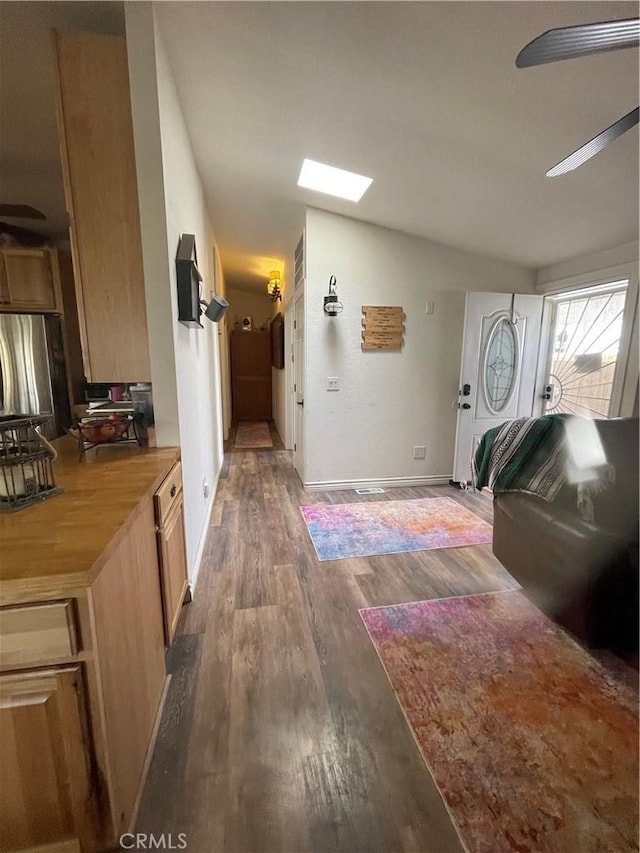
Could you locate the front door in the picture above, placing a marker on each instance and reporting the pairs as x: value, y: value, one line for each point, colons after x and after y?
x: 298, y: 394
x: 500, y: 376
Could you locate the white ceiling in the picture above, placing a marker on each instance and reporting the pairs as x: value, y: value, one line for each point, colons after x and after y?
x: 423, y: 97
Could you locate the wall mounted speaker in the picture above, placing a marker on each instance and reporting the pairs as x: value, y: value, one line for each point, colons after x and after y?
x: 216, y: 309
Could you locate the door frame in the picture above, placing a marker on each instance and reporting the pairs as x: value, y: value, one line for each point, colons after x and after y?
x: 289, y: 369
x: 527, y: 400
x: 298, y: 442
x: 626, y: 381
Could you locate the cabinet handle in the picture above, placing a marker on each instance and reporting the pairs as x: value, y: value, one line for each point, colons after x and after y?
x: 173, y: 490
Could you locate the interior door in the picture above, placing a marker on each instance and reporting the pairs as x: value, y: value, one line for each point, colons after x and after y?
x: 251, y: 375
x: 298, y: 387
x: 500, y: 375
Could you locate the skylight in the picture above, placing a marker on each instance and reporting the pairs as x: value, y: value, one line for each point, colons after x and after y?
x: 332, y: 181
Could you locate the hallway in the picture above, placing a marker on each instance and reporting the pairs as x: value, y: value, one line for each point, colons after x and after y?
x: 280, y: 732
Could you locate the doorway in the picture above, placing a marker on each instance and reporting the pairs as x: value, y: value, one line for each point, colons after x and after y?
x: 524, y: 356
x: 588, y: 350
x: 250, y: 375
x: 298, y: 385
x: 499, y: 369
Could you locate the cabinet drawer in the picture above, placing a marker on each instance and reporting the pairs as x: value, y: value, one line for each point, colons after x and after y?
x: 38, y: 633
x: 168, y: 493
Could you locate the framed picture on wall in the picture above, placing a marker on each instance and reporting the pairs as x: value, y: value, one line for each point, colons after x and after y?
x: 277, y: 341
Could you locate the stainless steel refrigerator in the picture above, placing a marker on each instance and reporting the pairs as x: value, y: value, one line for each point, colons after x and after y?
x: 33, y: 378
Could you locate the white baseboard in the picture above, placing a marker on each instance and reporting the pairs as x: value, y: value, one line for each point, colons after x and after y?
x: 389, y: 483
x: 193, y: 580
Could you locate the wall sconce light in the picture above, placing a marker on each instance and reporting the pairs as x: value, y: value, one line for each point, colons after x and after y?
x: 331, y: 304
x: 273, y: 286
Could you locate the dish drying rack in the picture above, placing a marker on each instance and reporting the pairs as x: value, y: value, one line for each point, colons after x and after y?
x: 26, y: 470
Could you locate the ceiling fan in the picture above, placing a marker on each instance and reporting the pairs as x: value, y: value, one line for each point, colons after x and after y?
x: 582, y: 40
x: 21, y: 211
x: 15, y: 233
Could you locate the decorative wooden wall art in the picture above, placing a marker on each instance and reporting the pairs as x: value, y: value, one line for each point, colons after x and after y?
x: 382, y: 327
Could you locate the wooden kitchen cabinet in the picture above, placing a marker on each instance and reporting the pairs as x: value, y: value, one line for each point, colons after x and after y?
x: 98, y: 164
x: 29, y: 280
x: 171, y: 550
x: 45, y: 781
x: 126, y: 601
x: 82, y: 649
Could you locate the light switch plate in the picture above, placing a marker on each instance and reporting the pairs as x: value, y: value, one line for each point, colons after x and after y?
x: 333, y: 383
x: 419, y: 451
x: 430, y: 307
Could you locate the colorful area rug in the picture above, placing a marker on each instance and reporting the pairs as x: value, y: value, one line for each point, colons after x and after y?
x: 252, y: 435
x: 533, y: 745
x: 390, y: 527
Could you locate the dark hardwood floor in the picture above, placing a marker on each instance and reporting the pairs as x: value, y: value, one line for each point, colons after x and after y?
x: 281, y: 732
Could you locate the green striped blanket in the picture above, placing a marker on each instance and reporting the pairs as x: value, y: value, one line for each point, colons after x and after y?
x: 525, y: 455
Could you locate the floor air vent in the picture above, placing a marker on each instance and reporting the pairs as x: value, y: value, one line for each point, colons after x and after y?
x: 373, y: 491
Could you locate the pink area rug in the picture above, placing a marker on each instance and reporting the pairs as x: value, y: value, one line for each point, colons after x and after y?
x: 252, y: 435
x: 390, y: 527
x: 533, y: 745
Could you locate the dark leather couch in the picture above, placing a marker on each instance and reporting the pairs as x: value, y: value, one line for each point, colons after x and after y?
x: 584, y: 575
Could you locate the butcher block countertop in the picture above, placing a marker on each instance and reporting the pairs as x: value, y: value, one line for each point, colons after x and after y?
x: 60, y: 544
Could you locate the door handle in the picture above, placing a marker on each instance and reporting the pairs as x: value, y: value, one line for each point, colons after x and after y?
x: 466, y: 405
x: 299, y: 402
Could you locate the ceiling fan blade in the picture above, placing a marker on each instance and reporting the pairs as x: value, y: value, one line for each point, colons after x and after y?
x: 571, y: 42
x: 595, y: 145
x: 21, y: 211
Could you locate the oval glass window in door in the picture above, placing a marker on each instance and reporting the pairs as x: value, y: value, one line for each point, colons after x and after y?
x: 500, y: 364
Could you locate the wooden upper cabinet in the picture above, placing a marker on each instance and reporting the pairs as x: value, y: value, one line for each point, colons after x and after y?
x: 29, y: 280
x: 45, y: 781
x: 98, y: 164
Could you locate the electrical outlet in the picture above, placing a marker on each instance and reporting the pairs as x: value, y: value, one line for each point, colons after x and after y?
x: 333, y: 383
x: 419, y: 451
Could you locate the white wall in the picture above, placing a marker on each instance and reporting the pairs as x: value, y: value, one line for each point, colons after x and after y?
x: 625, y: 254
x: 244, y: 303
x: 388, y: 401
x: 153, y: 220
x: 193, y: 370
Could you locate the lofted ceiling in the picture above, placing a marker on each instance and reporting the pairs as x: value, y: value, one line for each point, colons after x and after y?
x: 423, y: 97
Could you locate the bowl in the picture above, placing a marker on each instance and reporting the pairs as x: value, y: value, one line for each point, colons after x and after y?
x: 101, y: 430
